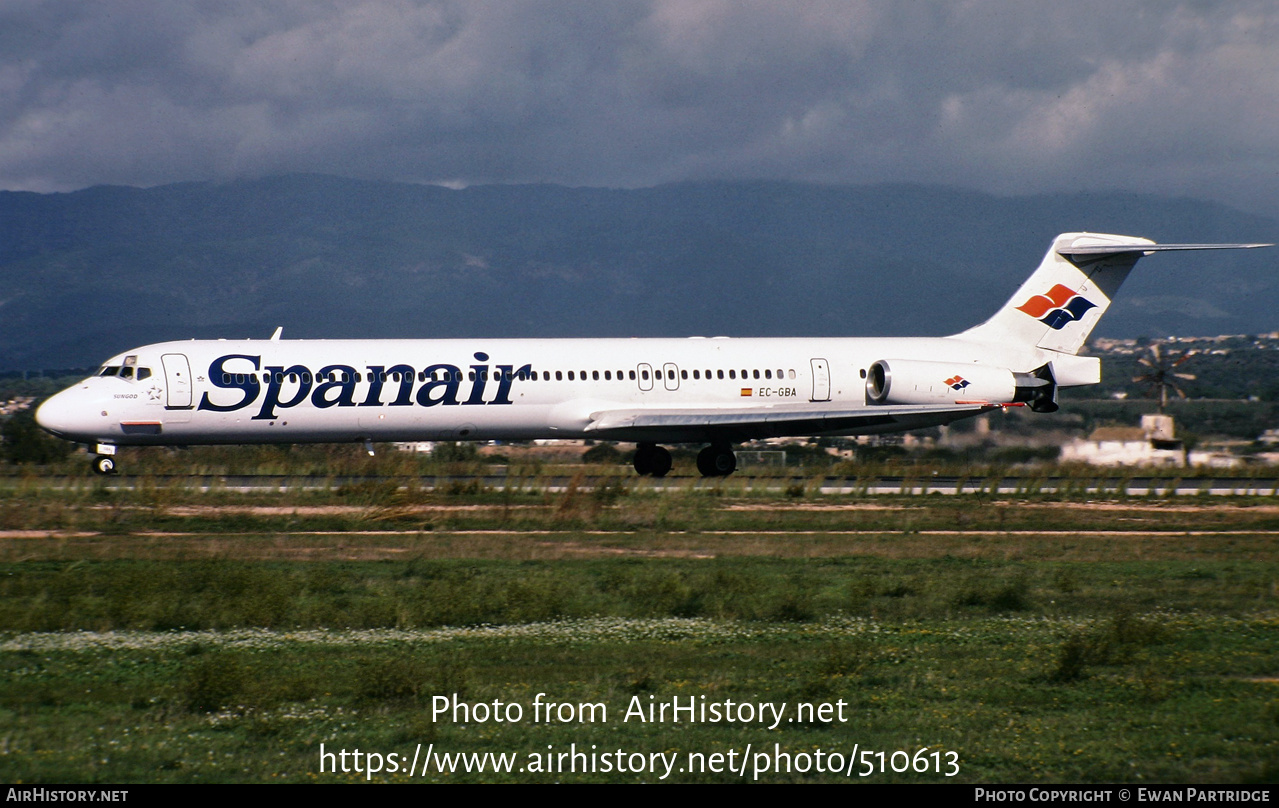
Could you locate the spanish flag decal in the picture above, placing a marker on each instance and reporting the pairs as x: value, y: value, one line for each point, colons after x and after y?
x: 746, y: 391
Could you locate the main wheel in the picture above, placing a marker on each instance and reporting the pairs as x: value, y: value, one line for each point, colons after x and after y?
x: 104, y: 464
x: 661, y: 462
x: 716, y: 461
x: 651, y: 460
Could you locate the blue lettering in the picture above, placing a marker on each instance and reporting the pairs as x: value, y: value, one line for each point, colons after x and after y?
x: 335, y: 385
x: 344, y: 384
x: 248, y: 383
x: 406, y: 373
x: 505, y: 377
x: 481, y: 374
x: 452, y: 377
x: 377, y: 374
x: 272, y: 398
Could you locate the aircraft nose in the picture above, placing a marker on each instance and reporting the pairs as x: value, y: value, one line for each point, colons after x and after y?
x: 62, y: 415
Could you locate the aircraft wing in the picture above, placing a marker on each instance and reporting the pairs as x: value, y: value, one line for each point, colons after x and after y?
x: 738, y: 424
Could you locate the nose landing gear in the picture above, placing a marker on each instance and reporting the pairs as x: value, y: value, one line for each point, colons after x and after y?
x: 104, y: 461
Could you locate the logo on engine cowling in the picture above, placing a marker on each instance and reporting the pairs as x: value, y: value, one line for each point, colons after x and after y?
x: 1058, y: 308
x: 957, y: 382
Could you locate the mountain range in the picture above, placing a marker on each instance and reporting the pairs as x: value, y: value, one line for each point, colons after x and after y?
x: 93, y: 272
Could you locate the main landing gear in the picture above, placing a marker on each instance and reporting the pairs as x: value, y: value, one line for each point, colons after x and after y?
x: 716, y: 460
x: 652, y: 460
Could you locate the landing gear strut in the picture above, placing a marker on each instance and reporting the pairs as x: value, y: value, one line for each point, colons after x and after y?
x: 716, y: 461
x: 652, y: 460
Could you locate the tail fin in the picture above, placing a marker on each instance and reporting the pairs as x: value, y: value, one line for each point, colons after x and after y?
x: 1060, y: 304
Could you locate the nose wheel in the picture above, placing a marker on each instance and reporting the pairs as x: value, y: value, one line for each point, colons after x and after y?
x: 104, y: 464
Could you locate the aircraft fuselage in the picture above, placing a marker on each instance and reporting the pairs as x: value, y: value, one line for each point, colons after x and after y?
x: 299, y: 391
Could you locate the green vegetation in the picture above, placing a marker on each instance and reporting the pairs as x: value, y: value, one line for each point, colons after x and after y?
x: 159, y: 632
x: 23, y: 441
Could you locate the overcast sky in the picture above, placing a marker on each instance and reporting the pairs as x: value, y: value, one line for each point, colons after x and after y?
x: 1015, y: 96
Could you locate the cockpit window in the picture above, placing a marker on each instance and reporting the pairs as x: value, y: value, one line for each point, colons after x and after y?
x: 126, y: 371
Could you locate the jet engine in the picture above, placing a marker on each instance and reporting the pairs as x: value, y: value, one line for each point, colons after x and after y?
x: 909, y: 381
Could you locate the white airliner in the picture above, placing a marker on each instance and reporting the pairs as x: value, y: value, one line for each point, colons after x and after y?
x: 715, y: 391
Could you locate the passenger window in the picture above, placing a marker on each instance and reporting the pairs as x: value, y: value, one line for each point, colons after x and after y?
x: 632, y: 375
x: 719, y: 374
x: 732, y: 374
x: 697, y: 374
x: 570, y: 376
x: 608, y: 375
x: 595, y: 375
x: 644, y: 375
x: 683, y: 374
x: 792, y: 374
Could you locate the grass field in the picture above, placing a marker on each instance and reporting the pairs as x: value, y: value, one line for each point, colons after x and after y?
x: 169, y: 634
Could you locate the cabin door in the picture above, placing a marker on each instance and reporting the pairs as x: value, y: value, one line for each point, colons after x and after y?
x: 821, y: 380
x: 177, y: 376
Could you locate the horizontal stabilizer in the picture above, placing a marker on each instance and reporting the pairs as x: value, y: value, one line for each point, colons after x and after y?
x: 1145, y: 249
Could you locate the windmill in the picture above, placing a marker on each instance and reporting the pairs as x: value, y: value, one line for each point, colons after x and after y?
x: 1161, y: 374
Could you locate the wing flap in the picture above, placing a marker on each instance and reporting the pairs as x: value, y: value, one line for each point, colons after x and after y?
x: 746, y: 424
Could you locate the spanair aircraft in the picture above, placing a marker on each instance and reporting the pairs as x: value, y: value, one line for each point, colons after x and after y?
x: 716, y: 391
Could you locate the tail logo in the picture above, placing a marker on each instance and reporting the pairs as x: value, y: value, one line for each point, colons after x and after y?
x: 957, y: 382
x: 1060, y: 307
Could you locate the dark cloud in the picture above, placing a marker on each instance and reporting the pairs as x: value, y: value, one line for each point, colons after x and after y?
x: 1166, y: 97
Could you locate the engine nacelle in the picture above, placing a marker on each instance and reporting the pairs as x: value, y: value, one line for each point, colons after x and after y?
x: 910, y: 381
